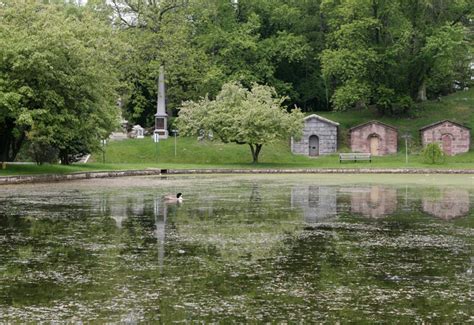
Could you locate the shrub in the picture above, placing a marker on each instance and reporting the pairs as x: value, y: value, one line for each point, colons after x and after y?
x: 432, y: 154
x: 43, y: 153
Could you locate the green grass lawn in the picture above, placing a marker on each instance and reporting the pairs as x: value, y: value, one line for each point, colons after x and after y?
x: 192, y: 154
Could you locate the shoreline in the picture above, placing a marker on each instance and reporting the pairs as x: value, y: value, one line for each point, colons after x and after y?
x: 52, y: 178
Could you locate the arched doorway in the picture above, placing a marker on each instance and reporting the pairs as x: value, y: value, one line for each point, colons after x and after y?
x: 313, y: 146
x: 447, y: 142
x: 374, y: 197
x: 374, y: 144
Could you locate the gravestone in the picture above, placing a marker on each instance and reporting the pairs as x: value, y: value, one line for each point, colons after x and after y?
x: 138, y: 132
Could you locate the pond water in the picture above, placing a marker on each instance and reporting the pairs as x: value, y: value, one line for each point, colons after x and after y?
x: 239, y: 249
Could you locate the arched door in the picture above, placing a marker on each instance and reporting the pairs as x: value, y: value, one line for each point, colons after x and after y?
x: 447, y: 140
x: 313, y: 146
x: 374, y: 143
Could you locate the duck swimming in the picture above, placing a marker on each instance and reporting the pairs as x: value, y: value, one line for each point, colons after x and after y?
x: 173, y: 198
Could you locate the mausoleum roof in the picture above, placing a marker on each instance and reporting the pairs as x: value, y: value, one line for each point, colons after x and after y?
x: 321, y: 119
x: 372, y: 122
x: 441, y: 122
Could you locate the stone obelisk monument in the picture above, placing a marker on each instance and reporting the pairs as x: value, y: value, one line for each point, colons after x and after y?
x: 161, y: 118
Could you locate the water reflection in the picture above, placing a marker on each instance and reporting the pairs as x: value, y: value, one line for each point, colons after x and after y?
x: 317, y: 202
x: 373, y: 202
x: 160, y: 213
x: 239, y: 251
x: 320, y: 202
x: 446, y: 203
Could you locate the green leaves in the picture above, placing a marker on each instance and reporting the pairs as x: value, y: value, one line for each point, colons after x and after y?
x: 255, y: 117
x: 58, y: 80
x: 398, y: 46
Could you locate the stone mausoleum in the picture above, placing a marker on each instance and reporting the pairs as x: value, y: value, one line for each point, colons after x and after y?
x: 453, y: 137
x: 319, y: 137
x: 374, y: 137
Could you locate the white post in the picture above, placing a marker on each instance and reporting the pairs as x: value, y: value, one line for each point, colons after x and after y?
x: 175, y: 131
x: 406, y: 151
x: 406, y: 136
x: 156, y: 139
x: 104, y: 142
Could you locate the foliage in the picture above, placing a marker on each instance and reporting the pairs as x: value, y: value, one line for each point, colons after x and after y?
x: 254, y: 117
x: 43, y: 153
x: 350, y: 53
x: 158, y: 34
x: 433, y: 154
x: 394, y: 50
x: 57, y: 81
x: 62, y: 63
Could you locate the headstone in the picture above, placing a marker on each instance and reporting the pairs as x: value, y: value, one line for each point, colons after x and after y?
x: 138, y: 131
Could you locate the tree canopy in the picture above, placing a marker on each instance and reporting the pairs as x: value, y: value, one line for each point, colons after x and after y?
x: 65, y: 66
x: 255, y: 117
x: 322, y: 54
x: 57, y: 78
x: 390, y: 53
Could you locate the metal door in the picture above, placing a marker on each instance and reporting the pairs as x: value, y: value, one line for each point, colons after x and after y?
x: 313, y: 146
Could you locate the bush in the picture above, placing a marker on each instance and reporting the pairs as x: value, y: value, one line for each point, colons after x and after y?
x: 388, y: 103
x: 432, y: 154
x: 43, y: 153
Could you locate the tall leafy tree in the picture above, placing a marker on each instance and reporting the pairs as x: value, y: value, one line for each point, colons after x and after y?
x: 244, y: 44
x: 254, y: 117
x: 301, y: 74
x: 391, y: 52
x: 159, y: 33
x: 57, y: 81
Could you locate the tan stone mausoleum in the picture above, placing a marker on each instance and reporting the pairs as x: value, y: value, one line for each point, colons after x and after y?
x: 374, y: 137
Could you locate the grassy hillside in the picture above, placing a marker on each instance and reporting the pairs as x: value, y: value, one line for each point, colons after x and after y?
x: 191, y: 151
x: 458, y: 107
x: 194, y: 154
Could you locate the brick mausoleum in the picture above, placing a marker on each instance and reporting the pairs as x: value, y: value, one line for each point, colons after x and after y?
x: 374, y: 137
x: 319, y: 137
x: 453, y: 137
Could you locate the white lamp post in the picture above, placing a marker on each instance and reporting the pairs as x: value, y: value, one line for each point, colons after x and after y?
x: 175, y: 131
x: 103, y: 142
x: 406, y: 136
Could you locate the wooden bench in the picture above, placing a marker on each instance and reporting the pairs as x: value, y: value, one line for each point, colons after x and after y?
x: 355, y: 156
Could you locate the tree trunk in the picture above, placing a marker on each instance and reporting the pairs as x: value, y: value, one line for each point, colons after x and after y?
x: 9, y: 145
x: 255, y: 151
x: 421, y: 95
x: 6, y: 138
x: 4, y: 146
x: 16, y: 146
x: 64, y: 156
